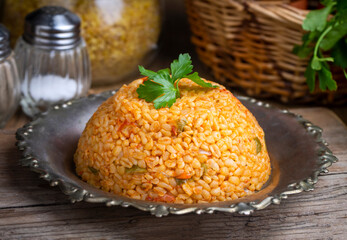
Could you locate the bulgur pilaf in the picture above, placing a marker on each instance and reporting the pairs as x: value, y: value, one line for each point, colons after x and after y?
x: 207, y: 147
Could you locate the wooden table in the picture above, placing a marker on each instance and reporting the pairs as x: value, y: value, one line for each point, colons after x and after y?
x: 31, y: 209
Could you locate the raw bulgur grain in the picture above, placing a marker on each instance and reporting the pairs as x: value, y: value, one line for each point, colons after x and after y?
x: 137, y: 151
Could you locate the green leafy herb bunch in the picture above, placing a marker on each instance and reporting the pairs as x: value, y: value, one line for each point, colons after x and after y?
x: 325, y: 42
x: 161, y: 88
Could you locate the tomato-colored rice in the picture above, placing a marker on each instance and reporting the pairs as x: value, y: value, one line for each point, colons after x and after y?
x: 207, y: 147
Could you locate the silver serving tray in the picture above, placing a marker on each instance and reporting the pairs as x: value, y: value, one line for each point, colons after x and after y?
x: 297, y: 151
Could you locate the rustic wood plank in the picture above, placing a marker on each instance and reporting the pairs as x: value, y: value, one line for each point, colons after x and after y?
x: 19, y: 186
x: 320, y: 214
x: 18, y: 120
x: 334, y: 132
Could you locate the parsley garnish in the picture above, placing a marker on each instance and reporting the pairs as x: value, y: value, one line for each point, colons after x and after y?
x: 161, y: 88
x: 324, y: 35
x: 257, y: 145
x: 180, y: 181
x: 93, y: 170
x: 135, y: 169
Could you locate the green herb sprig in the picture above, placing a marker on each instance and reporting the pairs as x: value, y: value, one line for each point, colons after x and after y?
x: 327, y: 30
x: 161, y: 88
x: 93, y: 170
x: 135, y: 169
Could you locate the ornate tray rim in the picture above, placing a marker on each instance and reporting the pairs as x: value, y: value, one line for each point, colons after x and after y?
x: 76, y: 194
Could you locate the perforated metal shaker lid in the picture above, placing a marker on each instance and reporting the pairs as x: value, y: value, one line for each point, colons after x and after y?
x: 52, y: 27
x: 5, y: 49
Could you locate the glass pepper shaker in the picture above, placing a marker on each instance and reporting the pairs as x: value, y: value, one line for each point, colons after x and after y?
x: 52, y: 59
x: 9, y: 80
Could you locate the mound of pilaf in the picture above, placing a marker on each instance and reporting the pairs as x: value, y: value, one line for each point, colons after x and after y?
x: 207, y: 147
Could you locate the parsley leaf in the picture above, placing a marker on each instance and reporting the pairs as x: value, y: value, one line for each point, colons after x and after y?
x: 150, y: 74
x: 181, y: 67
x: 149, y: 91
x: 317, y: 19
x: 195, y: 78
x: 338, y: 31
x: 161, y: 88
x: 326, y: 79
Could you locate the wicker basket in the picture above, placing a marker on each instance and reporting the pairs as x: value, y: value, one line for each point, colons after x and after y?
x: 248, y: 44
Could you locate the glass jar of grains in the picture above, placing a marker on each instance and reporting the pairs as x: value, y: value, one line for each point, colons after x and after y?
x: 120, y: 34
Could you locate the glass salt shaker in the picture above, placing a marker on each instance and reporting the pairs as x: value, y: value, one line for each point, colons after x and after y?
x: 52, y: 59
x: 9, y: 81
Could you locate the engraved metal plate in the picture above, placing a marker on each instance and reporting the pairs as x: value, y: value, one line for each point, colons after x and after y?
x: 297, y: 151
